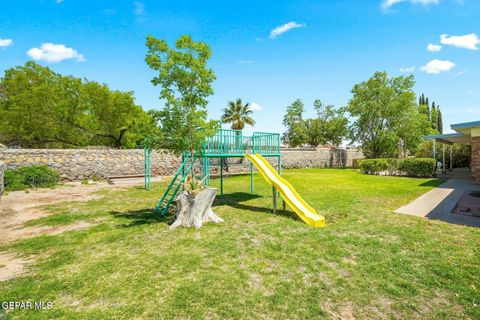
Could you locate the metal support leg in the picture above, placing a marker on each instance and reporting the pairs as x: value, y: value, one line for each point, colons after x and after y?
x: 221, y: 176
x: 252, y: 187
x: 274, y: 199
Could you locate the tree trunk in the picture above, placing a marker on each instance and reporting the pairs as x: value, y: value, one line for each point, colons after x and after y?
x: 193, y: 212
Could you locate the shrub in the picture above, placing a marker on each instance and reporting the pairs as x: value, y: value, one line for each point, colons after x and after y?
x: 13, y: 180
x: 372, y: 166
x: 30, y: 177
x: 418, y: 167
x: 413, y: 167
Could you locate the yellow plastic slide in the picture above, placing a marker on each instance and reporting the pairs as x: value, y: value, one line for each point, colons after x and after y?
x: 291, y: 197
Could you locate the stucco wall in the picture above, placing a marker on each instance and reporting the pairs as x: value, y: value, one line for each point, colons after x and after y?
x: 77, y: 164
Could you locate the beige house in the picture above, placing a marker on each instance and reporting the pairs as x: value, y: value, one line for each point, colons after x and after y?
x: 467, y: 133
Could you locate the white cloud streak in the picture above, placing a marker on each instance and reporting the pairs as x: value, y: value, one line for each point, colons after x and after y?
x: 434, y: 47
x: 437, y: 66
x: 468, y: 41
x: 255, y: 106
x: 387, y: 4
x: 5, y: 43
x: 407, y: 69
x: 53, y: 53
x: 278, y: 31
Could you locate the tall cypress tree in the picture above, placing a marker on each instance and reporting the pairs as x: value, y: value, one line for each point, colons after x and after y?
x: 439, y: 120
x: 434, y: 118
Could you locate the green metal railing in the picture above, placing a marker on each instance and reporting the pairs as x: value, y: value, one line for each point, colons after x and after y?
x: 232, y: 143
x: 266, y: 143
x: 175, y: 185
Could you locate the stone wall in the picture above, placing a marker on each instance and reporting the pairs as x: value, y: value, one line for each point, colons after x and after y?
x: 476, y: 160
x: 77, y: 164
x: 2, y: 169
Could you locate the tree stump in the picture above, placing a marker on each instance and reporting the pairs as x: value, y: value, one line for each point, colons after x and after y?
x: 194, y: 212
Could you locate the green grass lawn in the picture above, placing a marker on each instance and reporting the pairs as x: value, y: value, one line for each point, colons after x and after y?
x: 367, y: 263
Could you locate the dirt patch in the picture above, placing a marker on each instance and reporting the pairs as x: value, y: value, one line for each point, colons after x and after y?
x: 18, y: 207
x: 11, y: 266
x: 30, y: 232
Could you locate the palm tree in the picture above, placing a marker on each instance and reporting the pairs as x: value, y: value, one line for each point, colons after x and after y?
x: 238, y: 114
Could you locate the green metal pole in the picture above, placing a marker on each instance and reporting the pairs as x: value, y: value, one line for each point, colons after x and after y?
x: 252, y: 187
x: 274, y: 199
x: 221, y: 176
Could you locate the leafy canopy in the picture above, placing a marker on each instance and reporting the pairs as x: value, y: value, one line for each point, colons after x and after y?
x: 293, y: 121
x: 238, y: 114
x: 385, y: 114
x: 329, y: 127
x: 41, y: 108
x: 186, y: 82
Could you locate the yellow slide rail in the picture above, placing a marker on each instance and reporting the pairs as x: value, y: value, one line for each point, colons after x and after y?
x: 290, y: 195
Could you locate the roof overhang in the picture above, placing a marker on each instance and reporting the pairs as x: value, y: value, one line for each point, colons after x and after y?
x: 449, y: 138
x: 469, y: 129
x: 464, y: 134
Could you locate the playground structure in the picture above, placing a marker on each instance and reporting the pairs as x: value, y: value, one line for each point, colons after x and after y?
x: 228, y: 143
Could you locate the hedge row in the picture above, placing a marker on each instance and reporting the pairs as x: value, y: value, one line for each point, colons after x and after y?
x: 30, y: 177
x: 412, y: 167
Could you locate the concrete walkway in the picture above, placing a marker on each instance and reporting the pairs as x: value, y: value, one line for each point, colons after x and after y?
x: 440, y: 202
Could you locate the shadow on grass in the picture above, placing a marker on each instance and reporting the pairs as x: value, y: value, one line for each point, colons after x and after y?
x: 141, y: 217
x: 235, y: 200
x: 432, y: 183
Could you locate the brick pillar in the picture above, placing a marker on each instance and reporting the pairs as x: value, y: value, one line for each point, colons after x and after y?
x: 476, y: 160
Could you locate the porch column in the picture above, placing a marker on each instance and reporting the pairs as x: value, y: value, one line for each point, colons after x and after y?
x: 476, y: 159
x: 443, y: 158
x: 451, y: 157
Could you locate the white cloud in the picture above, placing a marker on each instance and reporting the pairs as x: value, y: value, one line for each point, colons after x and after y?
x: 434, y: 47
x: 460, y: 73
x: 51, y: 52
x: 468, y: 41
x: 407, y: 69
x: 436, y: 66
x: 473, y: 110
x: 387, y: 4
x: 255, y: 106
x: 246, y: 61
x: 284, y: 28
x: 139, y: 8
x: 5, y: 43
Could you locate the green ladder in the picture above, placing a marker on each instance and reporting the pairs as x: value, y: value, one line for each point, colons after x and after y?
x: 174, y: 186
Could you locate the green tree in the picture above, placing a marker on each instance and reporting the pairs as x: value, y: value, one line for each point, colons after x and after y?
x: 439, y: 120
x: 293, y: 121
x: 333, y: 123
x: 385, y: 114
x: 434, y: 117
x: 41, y: 108
x: 313, y: 132
x: 238, y: 114
x: 186, y: 82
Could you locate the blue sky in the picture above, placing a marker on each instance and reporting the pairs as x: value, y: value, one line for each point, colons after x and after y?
x: 266, y: 52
